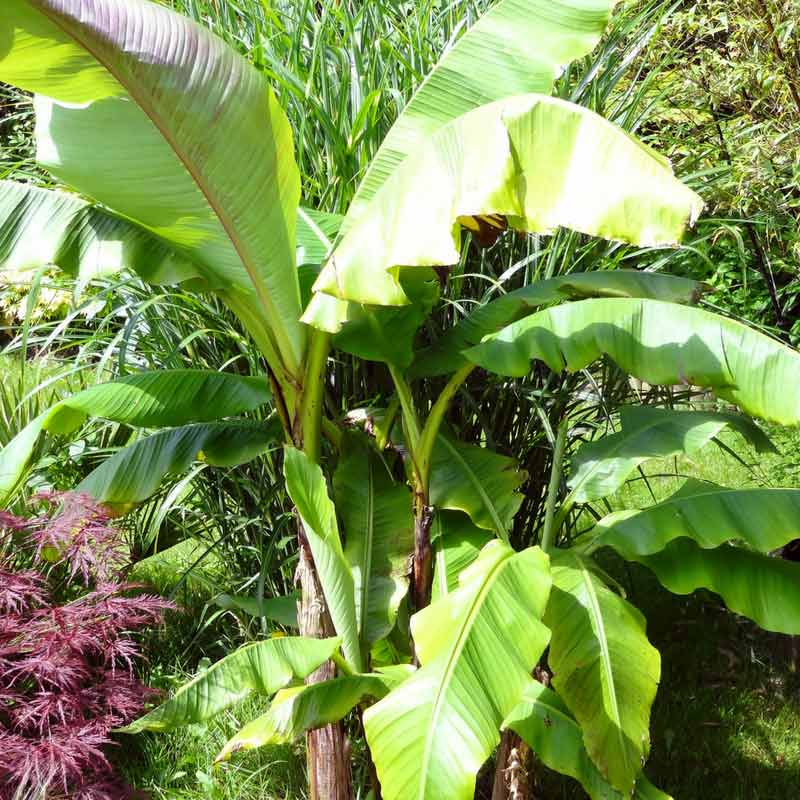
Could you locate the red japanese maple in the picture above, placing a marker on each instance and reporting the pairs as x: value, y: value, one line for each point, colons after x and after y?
x: 66, y: 665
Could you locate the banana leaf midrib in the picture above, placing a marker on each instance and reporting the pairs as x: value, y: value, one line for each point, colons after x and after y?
x: 605, y: 655
x: 282, y: 344
x: 453, y: 659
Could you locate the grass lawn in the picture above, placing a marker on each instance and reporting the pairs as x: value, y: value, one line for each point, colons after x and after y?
x: 725, y: 725
x: 179, y: 764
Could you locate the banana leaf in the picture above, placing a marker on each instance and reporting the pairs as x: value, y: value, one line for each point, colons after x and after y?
x: 430, y: 736
x: 153, y: 116
x: 604, y: 668
x: 146, y: 399
x: 658, y: 342
x: 601, y: 467
x: 445, y: 355
x: 135, y: 472
x: 308, y: 491
x: 536, y: 161
x: 545, y: 724
x: 379, y: 536
x: 299, y: 708
x: 263, y: 667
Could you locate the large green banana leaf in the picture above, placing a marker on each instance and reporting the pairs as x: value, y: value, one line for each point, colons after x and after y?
x: 40, y: 227
x: 262, y: 667
x: 601, y: 467
x: 517, y: 47
x: 477, y: 481
x: 540, y: 162
x: 155, y: 117
x: 379, y: 536
x: 307, y: 489
x: 146, y: 399
x: 300, y: 708
x: 658, y: 342
x: 494, y: 59
x: 134, y: 473
x: 477, y: 646
x: 161, y: 398
x: 445, y: 356
x: 604, y: 668
x: 457, y: 542
x: 764, y: 588
x: 765, y: 519
x: 544, y: 722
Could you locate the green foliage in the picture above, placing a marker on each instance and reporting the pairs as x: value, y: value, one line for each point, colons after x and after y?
x: 601, y: 468
x: 263, y: 667
x: 454, y: 87
x: 536, y: 180
x: 100, y: 105
x: 293, y: 711
x: 760, y: 587
x: 43, y: 226
x: 306, y: 486
x: 134, y: 474
x: 604, y: 669
x: 379, y: 536
x: 149, y: 399
x: 728, y: 100
x: 457, y: 699
x: 656, y: 342
x: 544, y: 722
x: 446, y: 354
x: 457, y: 542
x: 763, y: 518
x: 477, y: 481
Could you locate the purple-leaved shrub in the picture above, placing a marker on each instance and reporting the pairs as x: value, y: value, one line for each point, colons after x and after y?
x: 67, y: 651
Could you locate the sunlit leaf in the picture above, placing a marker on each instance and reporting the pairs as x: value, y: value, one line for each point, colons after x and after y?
x: 710, y: 515
x: 604, y: 668
x: 658, y: 342
x: 309, y: 493
x: 446, y: 354
x: 300, y: 708
x: 262, y: 667
x: 430, y: 736
x: 540, y: 162
x: 494, y: 59
x: 152, y: 115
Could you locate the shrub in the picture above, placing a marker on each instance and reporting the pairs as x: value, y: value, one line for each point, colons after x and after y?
x: 67, y: 651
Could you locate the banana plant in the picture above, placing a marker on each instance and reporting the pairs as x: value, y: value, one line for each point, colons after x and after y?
x: 416, y: 611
